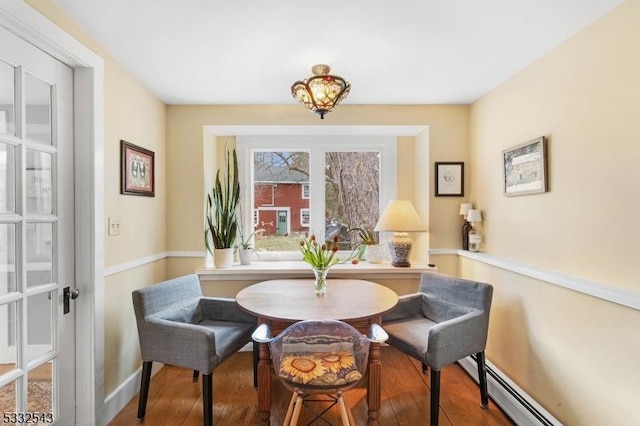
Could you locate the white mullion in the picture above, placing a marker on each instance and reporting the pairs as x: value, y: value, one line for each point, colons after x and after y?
x: 21, y: 234
x: 56, y: 314
x: 37, y: 146
x: 41, y: 359
x: 55, y: 252
x: 42, y: 218
x: 316, y: 190
x: 44, y: 288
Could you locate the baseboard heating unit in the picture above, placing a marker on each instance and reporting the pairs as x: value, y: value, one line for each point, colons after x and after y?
x: 515, y: 402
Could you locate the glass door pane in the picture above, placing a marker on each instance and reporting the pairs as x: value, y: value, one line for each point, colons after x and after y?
x: 38, y: 112
x: 7, y: 178
x: 7, y: 99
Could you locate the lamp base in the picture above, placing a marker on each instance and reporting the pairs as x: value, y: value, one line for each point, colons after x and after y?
x: 466, y: 228
x: 400, y: 248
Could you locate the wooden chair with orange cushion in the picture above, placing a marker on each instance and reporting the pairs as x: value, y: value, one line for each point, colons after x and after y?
x: 319, y: 358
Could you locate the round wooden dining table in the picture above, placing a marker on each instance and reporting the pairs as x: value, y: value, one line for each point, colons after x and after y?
x: 280, y: 303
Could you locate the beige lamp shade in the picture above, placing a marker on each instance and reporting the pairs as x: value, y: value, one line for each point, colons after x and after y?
x: 400, y: 216
x: 474, y: 216
x: 464, y: 209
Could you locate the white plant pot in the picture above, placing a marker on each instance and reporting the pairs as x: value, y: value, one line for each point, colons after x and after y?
x: 374, y: 253
x: 245, y: 255
x: 223, y: 258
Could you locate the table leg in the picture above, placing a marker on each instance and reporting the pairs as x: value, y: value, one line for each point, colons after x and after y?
x: 373, y: 391
x: 264, y: 384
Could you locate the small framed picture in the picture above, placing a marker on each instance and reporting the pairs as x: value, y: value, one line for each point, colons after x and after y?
x: 524, y: 168
x: 450, y: 179
x: 137, y: 170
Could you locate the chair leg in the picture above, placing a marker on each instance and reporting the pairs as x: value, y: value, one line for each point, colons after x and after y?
x: 343, y: 410
x: 256, y: 359
x: 196, y: 373
x: 352, y: 421
x: 296, y: 410
x: 207, y: 399
x: 292, y: 403
x: 435, y: 397
x: 144, y: 389
x: 482, y: 380
x: 425, y: 368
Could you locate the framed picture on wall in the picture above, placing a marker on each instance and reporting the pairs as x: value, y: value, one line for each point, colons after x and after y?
x: 449, y: 179
x: 137, y: 170
x: 524, y: 168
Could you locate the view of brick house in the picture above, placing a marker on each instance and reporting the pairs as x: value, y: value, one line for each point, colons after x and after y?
x: 281, y: 201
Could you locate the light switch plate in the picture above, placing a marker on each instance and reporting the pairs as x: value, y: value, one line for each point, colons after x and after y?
x: 114, y: 225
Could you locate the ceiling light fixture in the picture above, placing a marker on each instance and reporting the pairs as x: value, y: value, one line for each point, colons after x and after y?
x: 322, y: 92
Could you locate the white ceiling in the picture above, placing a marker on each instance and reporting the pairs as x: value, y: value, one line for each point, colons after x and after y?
x: 392, y: 52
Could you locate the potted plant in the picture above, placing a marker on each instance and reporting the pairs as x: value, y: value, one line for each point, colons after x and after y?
x: 367, y: 245
x: 222, y: 213
x: 245, y: 249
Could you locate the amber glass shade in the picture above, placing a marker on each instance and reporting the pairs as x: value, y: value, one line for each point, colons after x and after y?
x: 322, y: 92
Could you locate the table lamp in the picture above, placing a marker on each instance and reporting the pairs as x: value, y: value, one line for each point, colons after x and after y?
x: 466, y: 227
x: 475, y: 239
x: 400, y: 217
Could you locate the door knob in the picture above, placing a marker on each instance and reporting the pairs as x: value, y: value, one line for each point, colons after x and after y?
x: 67, y: 294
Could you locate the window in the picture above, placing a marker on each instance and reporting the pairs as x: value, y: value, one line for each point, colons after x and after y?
x: 304, y: 217
x: 326, y: 184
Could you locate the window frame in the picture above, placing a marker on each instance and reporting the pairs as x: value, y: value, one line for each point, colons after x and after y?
x: 317, y: 146
x: 302, y: 213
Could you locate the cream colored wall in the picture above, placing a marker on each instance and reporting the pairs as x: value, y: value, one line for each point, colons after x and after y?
x: 447, y: 141
x: 573, y: 353
x: 445, y: 222
x: 122, y: 348
x: 132, y: 113
x: 584, y: 97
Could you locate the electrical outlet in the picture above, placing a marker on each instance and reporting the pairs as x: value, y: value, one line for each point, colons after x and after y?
x: 114, y: 225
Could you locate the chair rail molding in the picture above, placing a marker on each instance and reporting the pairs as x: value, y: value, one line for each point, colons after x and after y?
x: 624, y: 297
x: 141, y: 261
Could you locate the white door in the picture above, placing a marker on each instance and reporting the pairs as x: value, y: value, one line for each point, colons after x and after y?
x: 37, y: 339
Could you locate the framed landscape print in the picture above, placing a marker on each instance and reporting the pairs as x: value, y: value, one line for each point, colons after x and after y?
x: 525, y: 168
x: 137, y: 170
x: 449, y: 179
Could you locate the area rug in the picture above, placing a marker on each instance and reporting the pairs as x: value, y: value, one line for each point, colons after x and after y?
x: 39, y: 399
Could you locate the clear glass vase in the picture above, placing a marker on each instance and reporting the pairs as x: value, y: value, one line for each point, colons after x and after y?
x: 320, y: 284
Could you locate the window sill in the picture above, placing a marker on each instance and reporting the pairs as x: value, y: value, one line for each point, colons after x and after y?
x: 265, y: 270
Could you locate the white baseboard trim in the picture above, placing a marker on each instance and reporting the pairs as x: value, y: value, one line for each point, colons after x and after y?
x: 621, y: 296
x: 116, y: 401
x: 515, y: 402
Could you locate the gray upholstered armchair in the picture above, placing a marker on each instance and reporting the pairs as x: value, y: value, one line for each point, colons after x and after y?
x: 178, y: 326
x: 443, y: 323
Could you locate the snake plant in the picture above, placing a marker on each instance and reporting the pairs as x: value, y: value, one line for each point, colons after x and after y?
x: 222, y: 206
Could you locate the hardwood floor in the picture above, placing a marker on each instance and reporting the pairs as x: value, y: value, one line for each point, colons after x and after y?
x: 174, y: 400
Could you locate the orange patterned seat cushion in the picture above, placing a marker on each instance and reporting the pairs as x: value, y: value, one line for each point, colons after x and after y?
x: 328, y: 369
